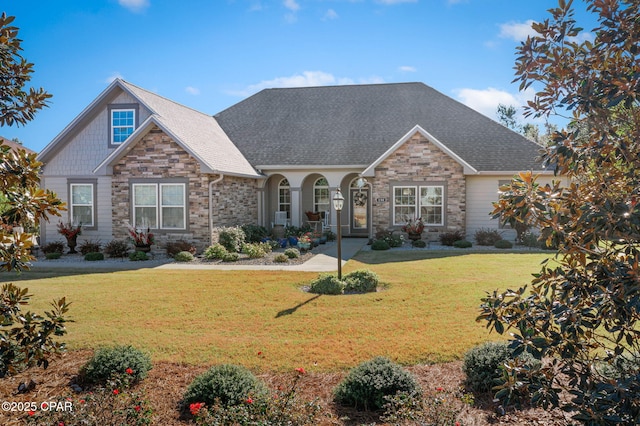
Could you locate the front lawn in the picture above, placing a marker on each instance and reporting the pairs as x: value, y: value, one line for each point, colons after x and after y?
x: 262, y: 319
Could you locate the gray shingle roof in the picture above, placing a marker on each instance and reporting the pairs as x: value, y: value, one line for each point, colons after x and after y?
x: 355, y: 125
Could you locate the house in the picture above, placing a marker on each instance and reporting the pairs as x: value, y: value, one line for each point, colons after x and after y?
x: 396, y: 151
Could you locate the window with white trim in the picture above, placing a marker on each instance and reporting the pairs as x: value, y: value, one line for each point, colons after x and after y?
x: 412, y: 202
x: 122, y: 124
x: 284, y: 197
x: 159, y: 205
x: 82, y: 204
x: 321, y: 199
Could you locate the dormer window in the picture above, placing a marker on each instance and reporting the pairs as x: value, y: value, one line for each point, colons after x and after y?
x: 123, y: 120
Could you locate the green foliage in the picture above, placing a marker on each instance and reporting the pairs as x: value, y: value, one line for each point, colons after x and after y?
x: 487, y: 237
x: 292, y: 253
x: 391, y: 238
x: 93, y: 256
x: 232, y: 238
x: 482, y: 365
x: 117, y: 248
x: 53, y: 247
x: 256, y: 250
x: 419, y: 243
x: 231, y: 257
x: 281, y: 258
x: 53, y: 255
x: 116, y: 363
x: 361, y: 281
x: 439, y: 408
x: 226, y: 385
x: 27, y: 338
x: 137, y: 256
x: 367, y: 385
x: 503, y: 244
x: 380, y: 245
x: 216, y: 251
x: 254, y: 233
x: 90, y: 246
x: 327, y: 284
x: 183, y: 256
x: 462, y: 244
x: 448, y: 238
x: 175, y: 247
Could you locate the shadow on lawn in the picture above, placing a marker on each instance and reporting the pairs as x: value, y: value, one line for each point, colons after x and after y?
x: 295, y: 308
x: 390, y: 256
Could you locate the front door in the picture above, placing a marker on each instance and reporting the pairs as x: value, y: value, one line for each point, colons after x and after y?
x: 360, y: 215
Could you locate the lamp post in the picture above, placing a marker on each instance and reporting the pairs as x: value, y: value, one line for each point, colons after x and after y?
x: 338, y: 203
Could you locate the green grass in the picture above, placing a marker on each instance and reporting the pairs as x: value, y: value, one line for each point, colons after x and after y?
x: 426, y: 314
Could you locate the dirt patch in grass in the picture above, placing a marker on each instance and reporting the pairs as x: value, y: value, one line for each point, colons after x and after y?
x: 167, y: 382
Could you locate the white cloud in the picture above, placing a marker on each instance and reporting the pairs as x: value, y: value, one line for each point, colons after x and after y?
x: 486, y: 101
x: 192, y: 90
x: 306, y: 79
x: 406, y: 68
x: 113, y: 76
x: 134, y: 5
x: 330, y: 14
x: 292, y: 5
x: 517, y: 31
x: 395, y: 1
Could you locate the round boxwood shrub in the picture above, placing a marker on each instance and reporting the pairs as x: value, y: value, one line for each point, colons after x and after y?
x: 367, y: 385
x: 216, y: 251
x: 94, y: 256
x: 53, y: 255
x: 419, y: 243
x: 229, y: 384
x: 281, y: 258
x: 138, y: 255
x: 361, y: 281
x: 482, y: 364
x: 292, y: 253
x: 462, y: 244
x: 231, y: 257
x: 503, y: 244
x: 380, y: 245
x: 117, y: 361
x: 232, y: 238
x: 327, y: 284
x: 183, y: 256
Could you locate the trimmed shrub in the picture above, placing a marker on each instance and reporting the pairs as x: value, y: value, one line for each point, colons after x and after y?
x: 117, y: 248
x: 232, y: 238
x: 53, y: 247
x: 89, y: 246
x: 53, y: 255
x: 327, y: 284
x: 292, y: 253
x: 116, y: 362
x: 138, y: 256
x: 482, y: 364
x: 254, y: 233
x: 419, y: 243
x: 503, y: 244
x: 367, y: 386
x: 462, y: 244
x: 361, y: 281
x: 93, y: 256
x: 216, y: 251
x: 380, y: 245
x: 448, y: 238
x: 281, y: 258
x: 227, y: 384
x: 256, y: 250
x: 231, y: 257
x: 487, y: 237
x: 183, y: 256
x: 175, y: 247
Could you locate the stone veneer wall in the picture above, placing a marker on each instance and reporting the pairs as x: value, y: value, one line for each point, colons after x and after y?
x: 419, y: 161
x: 157, y: 156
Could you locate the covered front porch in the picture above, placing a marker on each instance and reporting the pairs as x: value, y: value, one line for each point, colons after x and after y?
x: 287, y: 196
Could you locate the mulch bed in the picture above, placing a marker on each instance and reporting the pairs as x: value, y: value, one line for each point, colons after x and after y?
x: 167, y: 382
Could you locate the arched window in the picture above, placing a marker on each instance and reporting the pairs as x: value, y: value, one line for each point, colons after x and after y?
x: 321, y: 199
x: 284, y: 197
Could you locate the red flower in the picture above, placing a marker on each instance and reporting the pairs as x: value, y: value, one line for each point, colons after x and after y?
x: 457, y: 423
x: 259, y: 353
x: 301, y: 370
x: 439, y: 389
x: 128, y: 371
x: 137, y: 408
x: 249, y: 400
x: 32, y: 413
x: 116, y: 391
x: 82, y: 401
x: 60, y: 423
x: 195, y: 408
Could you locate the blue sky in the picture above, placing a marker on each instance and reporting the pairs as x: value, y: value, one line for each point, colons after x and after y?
x: 210, y: 54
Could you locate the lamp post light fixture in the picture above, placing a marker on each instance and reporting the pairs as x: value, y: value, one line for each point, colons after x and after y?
x: 338, y: 204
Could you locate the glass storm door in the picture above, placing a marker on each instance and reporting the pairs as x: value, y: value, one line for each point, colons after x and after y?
x: 359, y: 211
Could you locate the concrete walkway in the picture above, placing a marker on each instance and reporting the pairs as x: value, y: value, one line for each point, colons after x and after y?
x: 325, y: 260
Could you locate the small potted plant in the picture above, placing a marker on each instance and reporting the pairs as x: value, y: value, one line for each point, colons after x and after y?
x: 304, y: 242
x: 141, y: 239
x: 414, y: 229
x: 71, y: 233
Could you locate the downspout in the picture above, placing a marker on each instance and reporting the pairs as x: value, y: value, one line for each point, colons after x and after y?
x: 213, y: 182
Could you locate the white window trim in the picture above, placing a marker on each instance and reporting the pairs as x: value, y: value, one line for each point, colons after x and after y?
x: 315, y: 201
x: 395, y: 220
x: 92, y: 205
x: 112, y: 134
x: 418, y: 204
x: 281, y: 204
x: 134, y: 205
x: 158, y: 205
